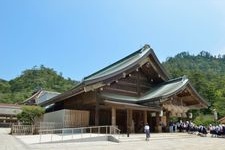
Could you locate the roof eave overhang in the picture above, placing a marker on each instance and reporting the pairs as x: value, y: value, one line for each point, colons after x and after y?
x: 70, y: 93
x: 132, y: 106
x: 203, y: 102
x: 164, y: 98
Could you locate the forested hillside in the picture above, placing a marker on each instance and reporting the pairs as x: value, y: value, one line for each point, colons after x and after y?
x: 20, y: 88
x: 206, y: 73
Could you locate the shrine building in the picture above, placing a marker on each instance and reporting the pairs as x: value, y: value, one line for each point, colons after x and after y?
x: 129, y: 93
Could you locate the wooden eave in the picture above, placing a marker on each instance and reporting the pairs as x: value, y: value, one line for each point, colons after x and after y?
x: 196, y: 100
x: 70, y: 93
x: 201, y: 101
x: 121, y: 105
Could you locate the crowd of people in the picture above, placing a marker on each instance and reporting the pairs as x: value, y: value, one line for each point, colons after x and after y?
x: 190, y: 127
x: 217, y: 131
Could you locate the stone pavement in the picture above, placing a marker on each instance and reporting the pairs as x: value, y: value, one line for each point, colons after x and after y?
x: 9, y: 142
x: 162, y: 141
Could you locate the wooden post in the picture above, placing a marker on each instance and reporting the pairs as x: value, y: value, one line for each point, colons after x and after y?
x: 113, y: 116
x: 129, y: 121
x: 96, y: 110
x: 145, y: 117
x: 167, y: 120
x: 158, y: 127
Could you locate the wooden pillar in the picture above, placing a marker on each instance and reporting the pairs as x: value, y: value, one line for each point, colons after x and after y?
x: 167, y: 120
x: 113, y: 116
x: 96, y: 110
x: 145, y: 117
x: 129, y: 120
x: 157, y: 119
x: 158, y: 127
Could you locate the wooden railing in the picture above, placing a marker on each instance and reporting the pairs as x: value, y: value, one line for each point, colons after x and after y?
x: 22, y: 129
x: 54, y: 135
x: 34, y: 129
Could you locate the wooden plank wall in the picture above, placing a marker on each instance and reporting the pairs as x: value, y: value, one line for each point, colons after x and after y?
x: 69, y: 118
x: 76, y: 118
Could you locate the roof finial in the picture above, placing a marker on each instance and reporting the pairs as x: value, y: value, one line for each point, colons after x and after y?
x: 146, y: 46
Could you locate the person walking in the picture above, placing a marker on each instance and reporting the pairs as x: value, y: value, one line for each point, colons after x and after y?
x: 147, y: 131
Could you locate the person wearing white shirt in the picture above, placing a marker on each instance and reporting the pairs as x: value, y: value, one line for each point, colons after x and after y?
x: 147, y: 131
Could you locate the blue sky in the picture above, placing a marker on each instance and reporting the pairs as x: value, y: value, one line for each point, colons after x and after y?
x: 78, y: 38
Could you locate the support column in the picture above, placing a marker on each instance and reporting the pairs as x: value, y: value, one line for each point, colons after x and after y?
x: 129, y: 121
x: 96, y: 110
x: 145, y: 117
x: 158, y: 127
x: 113, y: 116
x: 167, y: 120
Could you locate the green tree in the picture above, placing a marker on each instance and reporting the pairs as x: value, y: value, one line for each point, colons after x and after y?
x: 29, y: 114
x: 204, y: 120
x: 22, y: 87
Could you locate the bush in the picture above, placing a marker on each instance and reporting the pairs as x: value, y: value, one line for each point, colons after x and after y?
x: 29, y: 114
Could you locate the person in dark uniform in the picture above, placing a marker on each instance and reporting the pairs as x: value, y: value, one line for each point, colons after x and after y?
x: 147, y: 131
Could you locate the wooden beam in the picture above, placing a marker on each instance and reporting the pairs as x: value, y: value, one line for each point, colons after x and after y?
x: 121, y: 90
x: 143, y: 85
x: 141, y: 78
x: 118, y: 105
x: 127, y: 83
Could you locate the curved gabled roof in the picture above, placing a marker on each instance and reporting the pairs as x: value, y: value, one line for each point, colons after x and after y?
x: 122, y: 65
x: 159, y: 92
x: 166, y: 89
x: 163, y: 90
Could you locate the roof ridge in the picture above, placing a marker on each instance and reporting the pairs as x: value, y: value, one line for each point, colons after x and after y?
x: 145, y: 47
